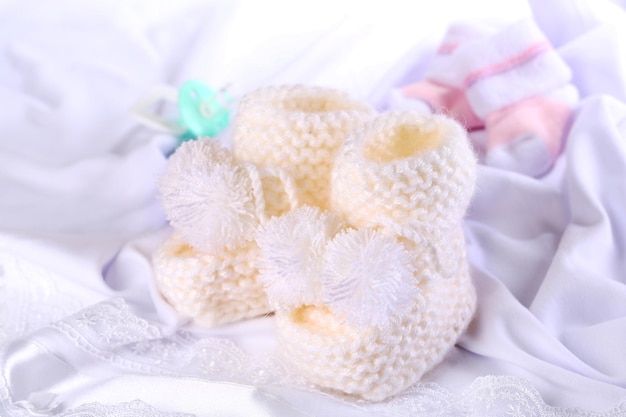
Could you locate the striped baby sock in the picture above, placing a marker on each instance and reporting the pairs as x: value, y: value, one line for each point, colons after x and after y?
x: 510, y: 87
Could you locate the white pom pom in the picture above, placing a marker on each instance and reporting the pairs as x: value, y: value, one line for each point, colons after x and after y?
x: 201, y: 152
x: 368, y: 277
x: 292, y: 251
x: 207, y: 198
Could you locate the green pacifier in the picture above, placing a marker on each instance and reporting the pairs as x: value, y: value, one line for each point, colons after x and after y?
x: 203, y: 111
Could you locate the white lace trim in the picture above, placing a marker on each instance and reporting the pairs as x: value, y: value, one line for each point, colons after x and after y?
x: 131, y: 409
x: 30, y: 298
x: 110, y: 332
x: 486, y: 396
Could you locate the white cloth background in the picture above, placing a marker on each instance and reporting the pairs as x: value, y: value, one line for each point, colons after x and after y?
x: 79, y: 215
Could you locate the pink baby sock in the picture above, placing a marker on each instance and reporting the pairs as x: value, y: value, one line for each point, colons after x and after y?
x: 442, y: 88
x: 527, y: 136
x: 519, y: 85
x: 510, y: 83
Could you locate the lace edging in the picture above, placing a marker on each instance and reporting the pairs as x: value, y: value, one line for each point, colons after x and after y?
x: 487, y: 396
x: 30, y: 298
x: 130, y: 409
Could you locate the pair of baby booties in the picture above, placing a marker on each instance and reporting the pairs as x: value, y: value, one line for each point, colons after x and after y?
x: 343, y: 222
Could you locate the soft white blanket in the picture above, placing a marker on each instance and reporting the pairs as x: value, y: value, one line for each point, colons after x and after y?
x: 83, y: 330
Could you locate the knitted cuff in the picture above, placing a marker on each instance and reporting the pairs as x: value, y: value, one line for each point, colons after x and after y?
x: 404, y: 166
x: 299, y: 129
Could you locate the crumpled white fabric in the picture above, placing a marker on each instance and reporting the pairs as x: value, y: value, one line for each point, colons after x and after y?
x: 79, y: 209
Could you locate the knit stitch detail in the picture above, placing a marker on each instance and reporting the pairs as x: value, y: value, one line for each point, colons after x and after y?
x: 375, y: 363
x: 298, y: 128
x: 211, y: 288
x: 404, y: 166
x: 208, y: 269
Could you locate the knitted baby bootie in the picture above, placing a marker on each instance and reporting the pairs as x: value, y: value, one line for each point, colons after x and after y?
x: 206, y: 269
x: 372, y: 294
x: 299, y: 129
x: 215, y: 200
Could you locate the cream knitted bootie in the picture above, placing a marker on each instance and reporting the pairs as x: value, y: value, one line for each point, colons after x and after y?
x: 382, y: 297
x: 215, y: 200
x: 298, y: 128
x: 207, y: 268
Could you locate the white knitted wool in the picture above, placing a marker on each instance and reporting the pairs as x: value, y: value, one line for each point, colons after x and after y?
x: 212, y: 289
x: 410, y: 176
x: 207, y: 270
x: 407, y: 167
x: 284, y: 141
x: 375, y: 363
x: 298, y: 128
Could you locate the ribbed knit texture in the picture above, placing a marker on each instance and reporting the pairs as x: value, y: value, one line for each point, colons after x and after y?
x: 412, y: 177
x: 298, y: 128
x: 406, y: 167
x: 207, y: 270
x: 213, y: 288
x: 376, y: 363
